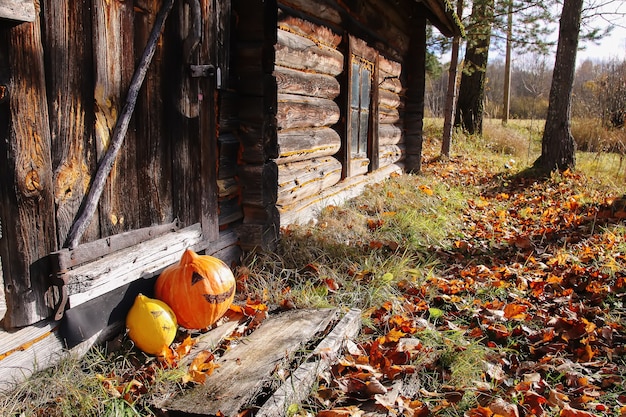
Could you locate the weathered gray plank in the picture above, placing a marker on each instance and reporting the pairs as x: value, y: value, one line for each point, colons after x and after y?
x: 297, y: 387
x: 26, y: 189
x: 68, y: 59
x: 247, y: 367
x: 114, y: 64
x: 154, y: 154
x: 143, y: 260
x: 22, y: 10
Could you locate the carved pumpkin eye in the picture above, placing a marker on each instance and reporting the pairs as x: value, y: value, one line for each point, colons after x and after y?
x: 200, y: 289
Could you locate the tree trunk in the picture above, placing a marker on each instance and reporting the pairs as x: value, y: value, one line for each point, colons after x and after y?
x: 469, y: 111
x: 451, y: 92
x: 557, y: 146
x: 506, y: 100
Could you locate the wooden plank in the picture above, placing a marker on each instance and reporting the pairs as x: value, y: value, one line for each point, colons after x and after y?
x: 221, y: 42
x: 390, y: 83
x: 246, y: 368
x: 83, y: 321
x: 24, y: 351
x: 143, y: 260
x: 361, y: 48
x: 387, y: 115
x: 305, y: 83
x: 300, y: 144
x: 64, y: 259
x: 21, y: 10
x: 229, y: 211
x: 36, y: 347
x: 207, y: 127
x: 181, y: 111
x: 260, y: 228
x: 153, y: 150
x: 390, y: 68
x: 297, y: 52
x: 359, y: 166
x: 228, y: 187
x: 305, y: 178
x: 26, y: 189
x: 68, y: 58
x: 296, y: 111
x: 114, y: 65
x: 298, y: 386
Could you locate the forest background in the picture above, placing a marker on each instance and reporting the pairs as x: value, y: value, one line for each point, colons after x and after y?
x: 598, y: 105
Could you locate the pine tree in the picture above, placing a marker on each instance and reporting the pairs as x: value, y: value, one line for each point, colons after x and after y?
x: 558, y: 149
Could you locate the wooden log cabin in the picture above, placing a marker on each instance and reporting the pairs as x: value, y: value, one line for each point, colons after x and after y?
x: 131, y: 130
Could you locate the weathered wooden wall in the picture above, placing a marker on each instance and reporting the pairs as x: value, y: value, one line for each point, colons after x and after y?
x: 66, y: 76
x: 254, y: 36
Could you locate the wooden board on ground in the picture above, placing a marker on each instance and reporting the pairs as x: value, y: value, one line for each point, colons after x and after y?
x: 249, y: 369
x: 298, y: 386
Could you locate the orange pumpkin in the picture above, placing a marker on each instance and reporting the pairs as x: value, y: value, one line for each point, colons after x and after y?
x: 199, y: 289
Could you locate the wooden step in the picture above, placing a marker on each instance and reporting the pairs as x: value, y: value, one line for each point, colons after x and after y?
x: 250, y: 373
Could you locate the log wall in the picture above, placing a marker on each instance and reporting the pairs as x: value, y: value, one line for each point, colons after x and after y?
x: 390, y: 108
x: 312, y: 91
x: 307, y: 63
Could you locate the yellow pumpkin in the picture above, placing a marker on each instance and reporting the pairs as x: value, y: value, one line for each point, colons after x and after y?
x: 151, y: 324
x: 200, y: 289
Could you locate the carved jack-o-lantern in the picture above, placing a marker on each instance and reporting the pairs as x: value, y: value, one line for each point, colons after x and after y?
x: 200, y: 289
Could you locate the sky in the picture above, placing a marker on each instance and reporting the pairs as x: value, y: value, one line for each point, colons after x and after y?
x: 614, y: 45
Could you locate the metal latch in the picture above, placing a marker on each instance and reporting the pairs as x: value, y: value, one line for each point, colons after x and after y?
x: 202, y: 70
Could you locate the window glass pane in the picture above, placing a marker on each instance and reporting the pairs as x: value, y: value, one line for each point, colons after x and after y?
x: 363, y: 128
x: 355, y: 84
x: 354, y: 124
x: 366, y: 87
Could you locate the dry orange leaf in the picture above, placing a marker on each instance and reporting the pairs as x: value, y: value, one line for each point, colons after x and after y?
x: 426, y: 189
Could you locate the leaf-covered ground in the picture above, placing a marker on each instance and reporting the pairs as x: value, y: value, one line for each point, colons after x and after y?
x: 483, y: 293
x: 522, y: 313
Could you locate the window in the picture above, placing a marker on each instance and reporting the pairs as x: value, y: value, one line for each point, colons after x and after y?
x: 360, y: 98
x: 361, y: 144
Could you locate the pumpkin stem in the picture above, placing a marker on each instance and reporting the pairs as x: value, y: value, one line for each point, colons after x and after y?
x: 188, y: 257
